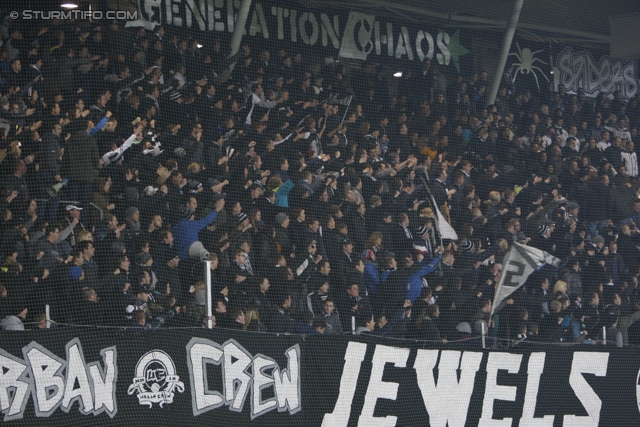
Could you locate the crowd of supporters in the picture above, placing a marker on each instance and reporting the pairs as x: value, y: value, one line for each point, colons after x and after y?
x: 312, y: 185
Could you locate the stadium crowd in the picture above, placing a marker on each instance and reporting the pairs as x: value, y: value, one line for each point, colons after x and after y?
x: 313, y: 186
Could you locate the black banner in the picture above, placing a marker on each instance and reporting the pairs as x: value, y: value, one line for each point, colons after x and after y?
x: 327, y: 31
x: 201, y: 377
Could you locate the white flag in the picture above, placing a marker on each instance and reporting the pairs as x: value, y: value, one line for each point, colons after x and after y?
x: 444, y: 228
x: 519, y: 262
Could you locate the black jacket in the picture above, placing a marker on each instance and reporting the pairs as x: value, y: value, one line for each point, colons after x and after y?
x: 349, y: 306
x: 280, y: 320
x: 80, y: 158
x: 402, y: 244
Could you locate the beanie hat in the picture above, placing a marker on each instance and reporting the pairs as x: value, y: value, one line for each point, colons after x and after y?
x: 464, y: 328
x: 608, y: 319
x: 281, y: 218
x: 467, y: 246
x: 422, y: 231
x: 168, y: 255
x: 241, y: 217
x: 542, y: 229
x: 366, y: 255
x: 317, y: 282
x: 130, y: 211
x: 174, y: 95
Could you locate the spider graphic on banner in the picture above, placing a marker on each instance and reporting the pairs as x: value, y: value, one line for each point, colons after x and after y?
x: 525, y: 66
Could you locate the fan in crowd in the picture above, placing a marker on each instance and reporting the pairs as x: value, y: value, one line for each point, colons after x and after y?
x: 327, y: 201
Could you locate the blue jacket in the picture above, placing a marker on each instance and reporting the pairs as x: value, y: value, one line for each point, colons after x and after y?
x: 282, y: 194
x: 372, y: 278
x: 414, y: 283
x: 186, y: 232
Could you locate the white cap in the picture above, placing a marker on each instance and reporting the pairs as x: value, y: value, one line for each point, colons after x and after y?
x: 70, y: 207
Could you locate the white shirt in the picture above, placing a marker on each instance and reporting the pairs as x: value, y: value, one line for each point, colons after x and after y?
x: 630, y: 160
x: 623, y: 133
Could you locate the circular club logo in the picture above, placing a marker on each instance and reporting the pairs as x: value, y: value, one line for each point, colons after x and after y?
x: 156, y: 380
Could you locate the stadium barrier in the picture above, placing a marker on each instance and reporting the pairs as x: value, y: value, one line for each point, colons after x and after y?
x: 98, y: 377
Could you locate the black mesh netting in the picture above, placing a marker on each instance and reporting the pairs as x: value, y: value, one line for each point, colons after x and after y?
x: 395, y: 236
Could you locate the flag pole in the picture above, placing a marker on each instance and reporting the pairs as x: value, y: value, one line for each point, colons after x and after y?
x: 347, y: 109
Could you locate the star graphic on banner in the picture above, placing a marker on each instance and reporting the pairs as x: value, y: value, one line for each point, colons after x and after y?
x: 456, y: 49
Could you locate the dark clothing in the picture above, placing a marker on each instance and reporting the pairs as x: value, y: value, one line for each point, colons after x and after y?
x: 168, y: 276
x: 88, y: 313
x: 280, y: 320
x: 543, y: 243
x: 79, y: 162
x: 350, y: 306
x: 549, y: 329
x: 595, y: 204
x: 439, y: 192
x: 425, y: 330
x: 402, y: 241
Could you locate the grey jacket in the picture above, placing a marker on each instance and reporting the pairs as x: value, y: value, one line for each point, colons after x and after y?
x: 11, y: 323
x: 334, y: 326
